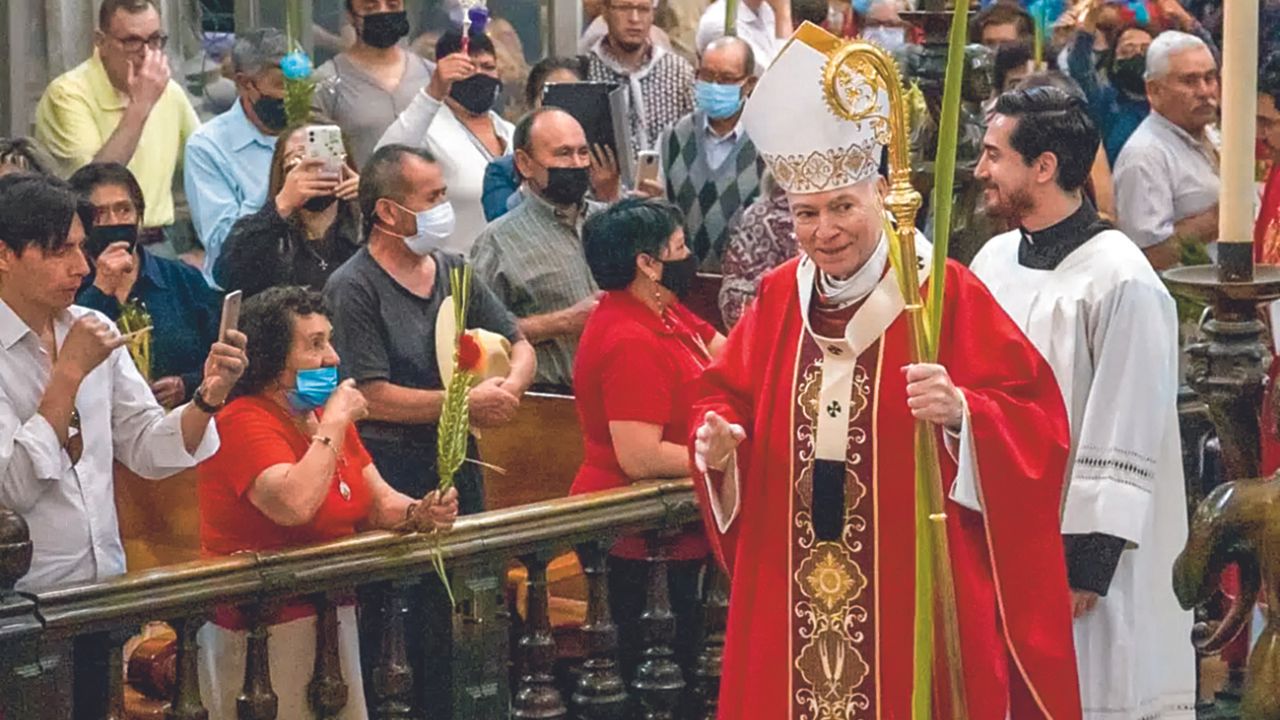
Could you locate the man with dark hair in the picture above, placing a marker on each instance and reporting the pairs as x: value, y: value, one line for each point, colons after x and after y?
x: 365, y: 87
x: 711, y: 167
x: 659, y: 82
x: 121, y: 106
x: 453, y: 117
x: 1091, y: 303
x: 1001, y: 22
x: 124, y: 276
x: 71, y: 398
x: 532, y: 256
x: 385, y: 301
x: 228, y: 162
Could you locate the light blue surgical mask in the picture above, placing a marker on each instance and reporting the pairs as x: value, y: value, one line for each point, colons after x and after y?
x: 312, y: 388
x: 435, y: 225
x: 716, y: 100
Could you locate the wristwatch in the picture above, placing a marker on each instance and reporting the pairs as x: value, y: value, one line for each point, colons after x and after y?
x: 197, y: 398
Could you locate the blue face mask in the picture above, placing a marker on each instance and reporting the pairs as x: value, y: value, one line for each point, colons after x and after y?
x: 313, y: 388
x: 716, y: 100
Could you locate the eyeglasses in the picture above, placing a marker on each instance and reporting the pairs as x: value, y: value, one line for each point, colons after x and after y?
x: 721, y: 79
x: 135, y: 44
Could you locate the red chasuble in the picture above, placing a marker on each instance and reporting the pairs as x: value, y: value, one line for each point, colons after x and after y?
x: 821, y: 610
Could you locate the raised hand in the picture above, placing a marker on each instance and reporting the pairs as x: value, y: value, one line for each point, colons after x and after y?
x: 347, y: 402
x: 223, y: 367
x: 606, y: 178
x: 88, y: 343
x: 115, y: 271
x: 449, y: 69
x: 305, y: 181
x: 146, y: 84
x: 715, y: 442
x: 349, y: 188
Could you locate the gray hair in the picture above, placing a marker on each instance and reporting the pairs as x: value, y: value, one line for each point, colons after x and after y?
x: 748, y: 55
x: 258, y: 50
x: 1164, y: 47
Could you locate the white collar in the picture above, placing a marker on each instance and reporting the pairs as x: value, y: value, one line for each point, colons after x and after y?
x: 857, y: 286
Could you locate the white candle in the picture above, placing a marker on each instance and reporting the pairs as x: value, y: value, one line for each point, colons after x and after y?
x: 1239, y: 120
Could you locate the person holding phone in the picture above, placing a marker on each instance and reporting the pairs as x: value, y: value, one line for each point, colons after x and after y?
x: 183, y: 309
x: 309, y: 224
x: 72, y: 401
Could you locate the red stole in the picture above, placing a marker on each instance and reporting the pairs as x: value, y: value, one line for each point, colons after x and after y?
x: 823, y: 628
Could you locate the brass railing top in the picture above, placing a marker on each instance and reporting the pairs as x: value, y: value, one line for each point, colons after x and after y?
x: 188, y: 588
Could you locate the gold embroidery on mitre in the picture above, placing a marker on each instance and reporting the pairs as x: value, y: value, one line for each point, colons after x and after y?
x: 822, y: 170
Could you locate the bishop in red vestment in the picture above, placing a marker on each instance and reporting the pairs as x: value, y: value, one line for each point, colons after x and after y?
x: 804, y: 445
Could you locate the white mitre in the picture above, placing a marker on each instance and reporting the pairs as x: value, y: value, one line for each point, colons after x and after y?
x: 796, y: 127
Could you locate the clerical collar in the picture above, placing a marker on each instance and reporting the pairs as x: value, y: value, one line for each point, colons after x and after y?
x: 842, y: 293
x: 1046, y: 249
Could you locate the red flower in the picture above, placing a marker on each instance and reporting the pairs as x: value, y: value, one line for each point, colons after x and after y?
x: 470, y: 356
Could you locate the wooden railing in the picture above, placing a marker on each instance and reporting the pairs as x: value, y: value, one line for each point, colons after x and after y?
x: 60, y: 649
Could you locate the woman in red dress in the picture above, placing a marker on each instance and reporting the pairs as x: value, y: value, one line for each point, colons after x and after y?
x: 291, y: 472
x: 639, y: 350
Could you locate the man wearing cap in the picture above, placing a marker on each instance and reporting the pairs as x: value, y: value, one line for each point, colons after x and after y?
x: 804, y: 451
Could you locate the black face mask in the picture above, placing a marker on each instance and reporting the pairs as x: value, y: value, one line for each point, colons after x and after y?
x: 1127, y: 75
x: 319, y: 204
x: 382, y: 30
x: 677, y: 275
x: 566, y: 186
x: 477, y: 93
x: 102, y: 236
x: 270, y: 112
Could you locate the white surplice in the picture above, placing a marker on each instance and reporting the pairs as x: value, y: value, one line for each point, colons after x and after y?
x: 1108, y: 327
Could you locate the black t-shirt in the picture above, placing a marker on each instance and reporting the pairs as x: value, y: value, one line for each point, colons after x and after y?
x: 384, y: 332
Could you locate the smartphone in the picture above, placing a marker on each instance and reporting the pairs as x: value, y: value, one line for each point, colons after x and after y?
x: 325, y: 143
x: 647, y: 168
x: 230, y: 314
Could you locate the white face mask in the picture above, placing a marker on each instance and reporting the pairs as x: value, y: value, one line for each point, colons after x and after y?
x: 435, y: 225
x: 889, y: 38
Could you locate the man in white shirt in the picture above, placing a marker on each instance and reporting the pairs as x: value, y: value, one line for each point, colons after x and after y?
x: 764, y: 24
x: 1166, y: 176
x: 71, y: 399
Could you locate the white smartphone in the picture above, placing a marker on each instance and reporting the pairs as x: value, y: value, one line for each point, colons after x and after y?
x: 230, y: 314
x: 647, y: 168
x: 325, y: 143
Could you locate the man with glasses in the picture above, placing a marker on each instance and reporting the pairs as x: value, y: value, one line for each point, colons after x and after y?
x: 121, y: 106
x: 660, y: 83
x: 72, y: 400
x: 711, y: 167
x: 228, y: 162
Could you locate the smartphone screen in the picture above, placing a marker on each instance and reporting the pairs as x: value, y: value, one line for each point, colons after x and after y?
x: 230, y: 314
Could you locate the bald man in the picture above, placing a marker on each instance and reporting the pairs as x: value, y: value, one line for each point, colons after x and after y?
x: 711, y: 167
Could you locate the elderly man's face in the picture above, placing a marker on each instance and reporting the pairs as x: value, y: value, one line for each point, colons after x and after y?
x: 838, y: 229
x: 556, y: 140
x: 1187, y: 95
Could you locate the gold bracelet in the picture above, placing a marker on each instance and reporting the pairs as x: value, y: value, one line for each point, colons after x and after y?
x: 327, y: 442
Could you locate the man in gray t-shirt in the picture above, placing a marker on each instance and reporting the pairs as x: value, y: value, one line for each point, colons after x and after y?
x: 384, y: 302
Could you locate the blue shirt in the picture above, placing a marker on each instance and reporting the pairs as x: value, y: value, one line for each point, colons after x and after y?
x: 225, y: 172
x: 501, y: 187
x: 1116, y: 114
x: 184, y: 315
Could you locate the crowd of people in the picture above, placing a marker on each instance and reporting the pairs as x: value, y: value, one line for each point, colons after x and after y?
x: 317, y: 417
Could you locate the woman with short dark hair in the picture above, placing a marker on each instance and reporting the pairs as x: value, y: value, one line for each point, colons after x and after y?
x: 639, y: 350
x: 291, y: 472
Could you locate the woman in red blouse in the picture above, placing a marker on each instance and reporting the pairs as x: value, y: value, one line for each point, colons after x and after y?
x: 292, y: 471
x: 638, y: 352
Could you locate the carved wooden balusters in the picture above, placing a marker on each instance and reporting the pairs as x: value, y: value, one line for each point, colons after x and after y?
x: 99, y: 664
x: 601, y: 694
x: 707, y: 666
x: 257, y: 699
x: 537, y: 695
x: 659, y: 681
x: 186, y: 695
x: 327, y: 692
x: 393, y: 676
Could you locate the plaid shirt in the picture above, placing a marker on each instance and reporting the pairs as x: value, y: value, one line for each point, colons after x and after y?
x: 532, y: 260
